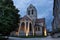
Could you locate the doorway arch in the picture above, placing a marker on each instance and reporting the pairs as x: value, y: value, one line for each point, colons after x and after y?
x: 22, y: 26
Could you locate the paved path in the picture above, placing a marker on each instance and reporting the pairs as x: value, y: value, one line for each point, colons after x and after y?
x: 46, y: 38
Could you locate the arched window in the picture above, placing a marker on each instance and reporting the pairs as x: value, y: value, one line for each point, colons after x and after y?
x: 22, y: 26
x: 30, y: 26
x: 37, y: 28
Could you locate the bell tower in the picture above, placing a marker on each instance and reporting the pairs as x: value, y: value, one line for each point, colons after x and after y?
x: 32, y: 12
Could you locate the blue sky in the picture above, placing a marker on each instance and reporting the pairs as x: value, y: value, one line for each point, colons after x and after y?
x: 44, y: 9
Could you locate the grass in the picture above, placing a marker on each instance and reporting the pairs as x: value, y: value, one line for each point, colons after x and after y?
x: 30, y: 36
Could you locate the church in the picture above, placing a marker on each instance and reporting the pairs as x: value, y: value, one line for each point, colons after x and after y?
x: 30, y: 24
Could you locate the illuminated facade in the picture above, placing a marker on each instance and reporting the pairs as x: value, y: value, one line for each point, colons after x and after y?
x: 30, y: 24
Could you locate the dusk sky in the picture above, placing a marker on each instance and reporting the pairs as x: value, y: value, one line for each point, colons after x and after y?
x: 44, y: 9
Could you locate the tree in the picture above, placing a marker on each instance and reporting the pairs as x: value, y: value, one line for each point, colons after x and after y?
x: 9, y: 17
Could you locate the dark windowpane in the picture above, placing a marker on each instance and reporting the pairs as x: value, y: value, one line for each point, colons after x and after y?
x: 28, y: 12
x: 32, y: 12
x: 38, y: 28
x: 30, y: 27
x: 26, y: 24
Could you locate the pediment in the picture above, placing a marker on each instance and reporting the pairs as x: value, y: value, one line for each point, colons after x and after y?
x: 26, y: 18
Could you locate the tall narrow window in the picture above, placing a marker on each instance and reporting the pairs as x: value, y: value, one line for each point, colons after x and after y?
x: 28, y: 12
x: 38, y: 28
x: 26, y: 24
x: 32, y: 12
x: 30, y: 27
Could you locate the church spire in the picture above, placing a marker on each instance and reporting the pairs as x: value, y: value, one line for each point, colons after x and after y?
x: 31, y: 5
x: 31, y: 11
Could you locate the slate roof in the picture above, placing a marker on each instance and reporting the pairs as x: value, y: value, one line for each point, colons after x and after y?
x: 40, y: 20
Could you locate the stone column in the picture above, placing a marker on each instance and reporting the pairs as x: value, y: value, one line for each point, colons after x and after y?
x: 25, y: 28
x: 33, y: 29
x: 28, y: 27
x: 19, y: 28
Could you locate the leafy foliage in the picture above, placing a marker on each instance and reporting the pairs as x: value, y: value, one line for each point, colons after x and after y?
x: 9, y: 17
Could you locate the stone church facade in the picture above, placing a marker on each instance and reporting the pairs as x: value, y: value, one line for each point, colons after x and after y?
x: 30, y: 24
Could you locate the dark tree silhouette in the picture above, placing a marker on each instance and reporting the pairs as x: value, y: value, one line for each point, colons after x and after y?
x: 9, y: 17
